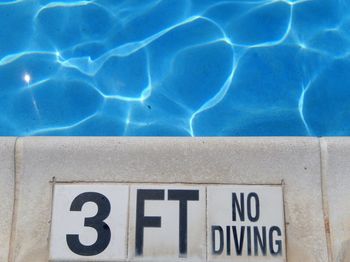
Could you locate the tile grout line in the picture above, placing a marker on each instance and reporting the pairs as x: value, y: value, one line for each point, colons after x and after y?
x: 52, y: 183
x: 324, y: 191
x: 206, y: 224
x: 11, y: 254
x: 128, y: 230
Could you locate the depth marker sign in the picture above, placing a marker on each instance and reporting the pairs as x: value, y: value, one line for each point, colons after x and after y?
x: 245, y: 222
x: 136, y: 222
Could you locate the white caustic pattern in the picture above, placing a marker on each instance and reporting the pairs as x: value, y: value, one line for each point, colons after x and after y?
x: 27, y: 78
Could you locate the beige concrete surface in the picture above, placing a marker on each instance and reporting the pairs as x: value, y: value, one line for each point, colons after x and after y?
x: 292, y: 161
x: 336, y: 174
x: 7, y: 184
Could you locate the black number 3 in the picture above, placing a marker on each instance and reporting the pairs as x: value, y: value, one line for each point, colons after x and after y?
x: 96, y: 222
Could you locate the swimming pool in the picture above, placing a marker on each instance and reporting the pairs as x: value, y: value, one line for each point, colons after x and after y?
x: 175, y: 67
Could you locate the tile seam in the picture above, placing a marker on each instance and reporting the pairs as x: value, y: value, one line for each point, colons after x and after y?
x: 324, y: 191
x: 52, y: 184
x: 11, y: 254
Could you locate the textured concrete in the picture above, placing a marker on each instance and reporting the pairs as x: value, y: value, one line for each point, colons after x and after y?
x: 336, y: 174
x: 293, y: 161
x: 7, y: 172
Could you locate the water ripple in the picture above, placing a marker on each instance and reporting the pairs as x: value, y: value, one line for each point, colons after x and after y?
x: 176, y: 67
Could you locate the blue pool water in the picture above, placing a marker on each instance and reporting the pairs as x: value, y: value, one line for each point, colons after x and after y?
x: 175, y: 67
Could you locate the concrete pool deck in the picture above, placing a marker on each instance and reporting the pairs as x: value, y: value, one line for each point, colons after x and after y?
x: 312, y: 171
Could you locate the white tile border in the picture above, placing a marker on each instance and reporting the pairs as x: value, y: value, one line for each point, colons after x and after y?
x: 198, y: 245
x: 274, y: 160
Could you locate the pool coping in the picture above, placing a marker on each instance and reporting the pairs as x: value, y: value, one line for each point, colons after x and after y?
x: 305, y: 165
